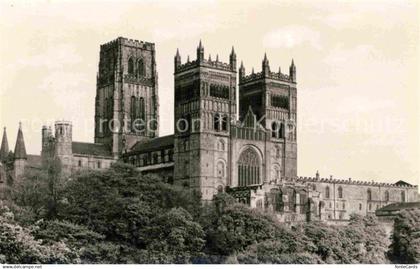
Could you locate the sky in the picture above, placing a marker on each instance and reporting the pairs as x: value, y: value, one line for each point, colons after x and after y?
x: 357, y: 67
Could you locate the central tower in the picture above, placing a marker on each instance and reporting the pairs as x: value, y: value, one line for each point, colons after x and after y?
x: 126, y: 104
x: 205, y: 105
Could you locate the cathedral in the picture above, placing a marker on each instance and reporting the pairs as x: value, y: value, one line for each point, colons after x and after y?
x: 234, y: 132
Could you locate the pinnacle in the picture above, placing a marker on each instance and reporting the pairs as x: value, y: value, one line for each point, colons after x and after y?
x: 20, y: 150
x: 4, y: 150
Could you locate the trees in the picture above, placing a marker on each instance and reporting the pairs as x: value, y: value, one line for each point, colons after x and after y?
x: 18, y: 245
x: 405, y: 247
x: 174, y: 237
x: 122, y: 216
x: 40, y: 191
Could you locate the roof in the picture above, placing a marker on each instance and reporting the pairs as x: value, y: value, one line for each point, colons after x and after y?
x: 34, y: 160
x: 4, y: 150
x: 399, y: 206
x: 154, y: 144
x: 20, y: 150
x: 90, y: 149
x: 403, y: 183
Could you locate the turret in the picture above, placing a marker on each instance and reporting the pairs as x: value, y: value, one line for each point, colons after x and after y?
x: 232, y: 60
x: 241, y: 70
x: 200, y: 52
x: 4, y: 150
x: 19, y: 154
x: 265, y: 65
x: 47, y: 140
x: 292, y: 71
x: 177, y: 59
x: 63, y: 138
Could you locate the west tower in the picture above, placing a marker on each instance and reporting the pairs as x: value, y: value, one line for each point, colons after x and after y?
x: 126, y: 104
x: 205, y: 104
x: 273, y: 98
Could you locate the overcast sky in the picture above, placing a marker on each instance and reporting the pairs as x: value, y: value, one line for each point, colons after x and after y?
x: 357, y: 69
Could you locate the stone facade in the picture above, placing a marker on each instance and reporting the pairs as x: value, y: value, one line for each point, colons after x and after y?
x: 252, y: 156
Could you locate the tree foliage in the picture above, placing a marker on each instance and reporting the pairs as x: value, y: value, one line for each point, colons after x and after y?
x: 405, y: 247
x: 122, y: 216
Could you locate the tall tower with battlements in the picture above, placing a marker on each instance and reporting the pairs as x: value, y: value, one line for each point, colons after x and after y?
x: 272, y: 96
x: 126, y: 104
x: 205, y: 104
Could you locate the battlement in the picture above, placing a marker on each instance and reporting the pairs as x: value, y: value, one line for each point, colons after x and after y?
x: 201, y: 61
x: 62, y: 122
x: 353, y: 182
x: 205, y: 63
x: 261, y: 75
x: 129, y: 42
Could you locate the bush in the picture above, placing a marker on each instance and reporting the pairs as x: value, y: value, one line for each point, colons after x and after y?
x: 405, y: 247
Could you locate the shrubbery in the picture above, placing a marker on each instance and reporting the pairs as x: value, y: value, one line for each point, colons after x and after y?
x: 120, y: 216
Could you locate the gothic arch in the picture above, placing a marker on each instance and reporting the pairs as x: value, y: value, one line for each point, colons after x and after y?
x: 130, y: 66
x: 340, y: 192
x: 276, y: 172
x: 220, y: 168
x: 141, y: 70
x: 249, y: 167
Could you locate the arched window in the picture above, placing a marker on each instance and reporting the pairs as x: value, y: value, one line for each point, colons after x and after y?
x: 248, y: 168
x: 402, y: 196
x: 224, y: 123
x: 220, y: 189
x: 327, y: 192
x: 216, y: 121
x: 274, y: 129
x: 141, y: 70
x: 340, y: 192
x: 369, y: 195
x: 386, y: 196
x: 171, y: 155
x: 131, y: 66
x: 220, y: 169
x: 133, y: 112
x: 281, y: 130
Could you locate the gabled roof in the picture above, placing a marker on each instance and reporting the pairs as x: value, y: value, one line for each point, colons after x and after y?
x: 403, y: 183
x: 20, y: 150
x: 399, y: 206
x: 4, y: 150
x: 90, y: 149
x: 34, y: 160
x: 153, y: 144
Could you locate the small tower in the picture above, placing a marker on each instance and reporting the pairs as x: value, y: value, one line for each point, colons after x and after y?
x: 241, y: 70
x: 63, y: 142
x: 200, y: 52
x: 265, y: 65
x: 19, y: 154
x: 4, y: 150
x: 232, y: 60
x: 47, y: 141
x: 177, y: 59
x: 292, y: 71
